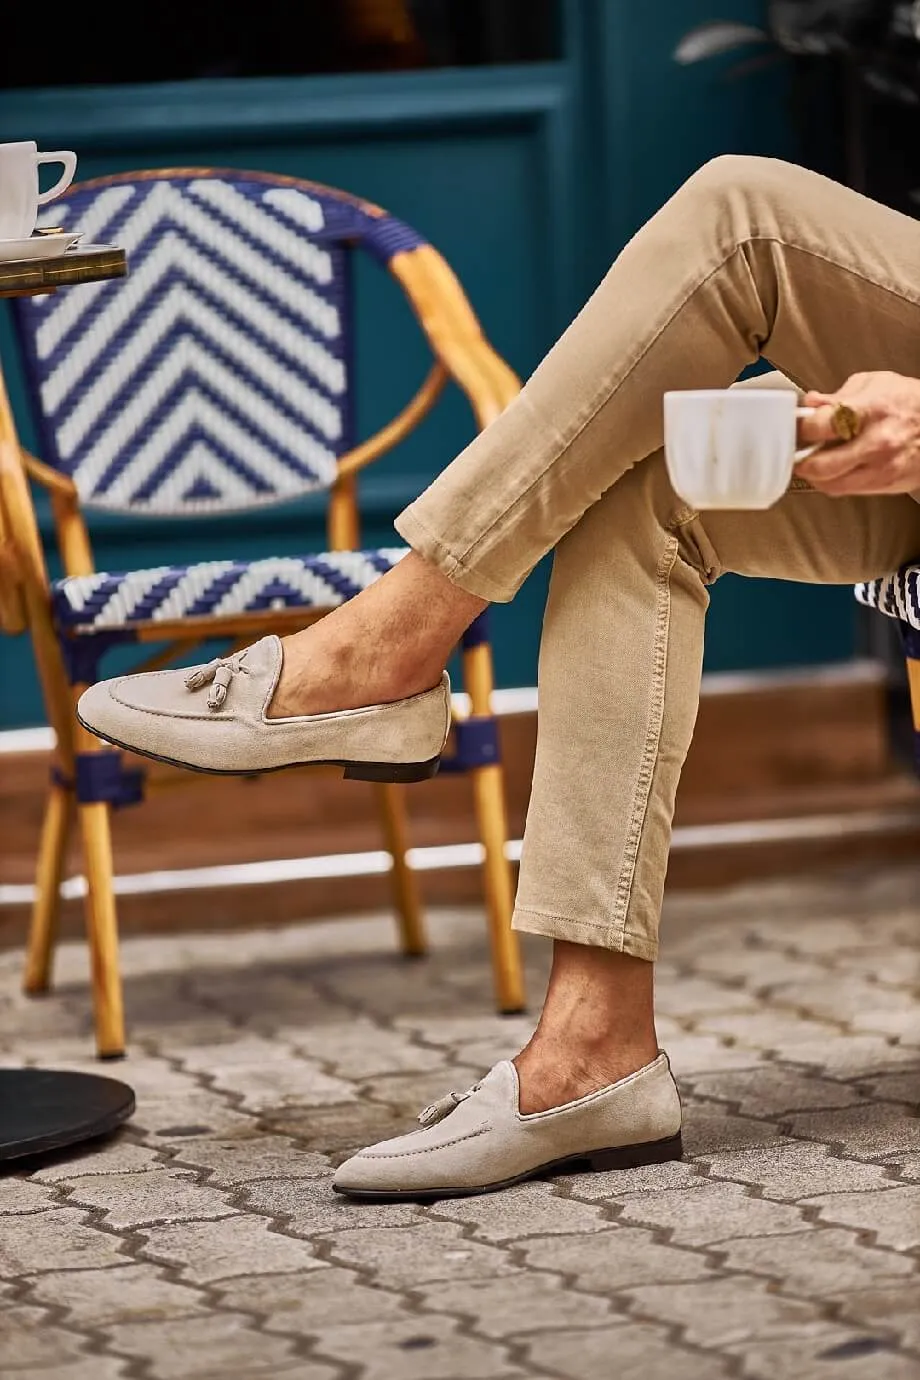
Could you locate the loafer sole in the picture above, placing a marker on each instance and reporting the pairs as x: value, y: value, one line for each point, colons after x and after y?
x: 401, y: 773
x: 624, y: 1157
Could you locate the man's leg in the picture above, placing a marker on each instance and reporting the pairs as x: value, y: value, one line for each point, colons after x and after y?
x: 619, y: 686
x: 750, y: 257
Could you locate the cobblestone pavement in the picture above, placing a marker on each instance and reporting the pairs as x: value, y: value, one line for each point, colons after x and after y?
x: 204, y: 1240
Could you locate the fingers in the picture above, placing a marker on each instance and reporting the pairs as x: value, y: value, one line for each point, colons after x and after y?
x: 818, y: 429
x: 827, y: 465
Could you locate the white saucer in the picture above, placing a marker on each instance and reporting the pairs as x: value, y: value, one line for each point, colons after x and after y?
x: 38, y: 246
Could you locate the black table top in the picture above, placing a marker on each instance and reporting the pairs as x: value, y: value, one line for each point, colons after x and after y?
x: 49, y: 1109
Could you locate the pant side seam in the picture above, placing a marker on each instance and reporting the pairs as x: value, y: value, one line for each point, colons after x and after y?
x: 652, y: 735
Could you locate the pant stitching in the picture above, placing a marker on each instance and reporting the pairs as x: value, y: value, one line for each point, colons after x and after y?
x: 652, y: 735
x: 570, y: 928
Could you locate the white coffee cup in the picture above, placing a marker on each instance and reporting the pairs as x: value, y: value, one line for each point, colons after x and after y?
x: 732, y: 447
x: 20, y: 197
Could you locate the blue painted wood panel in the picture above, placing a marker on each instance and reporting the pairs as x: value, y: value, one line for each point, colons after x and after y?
x: 529, y: 180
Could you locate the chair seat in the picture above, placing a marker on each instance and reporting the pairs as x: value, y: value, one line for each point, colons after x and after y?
x: 107, y: 600
x: 896, y: 595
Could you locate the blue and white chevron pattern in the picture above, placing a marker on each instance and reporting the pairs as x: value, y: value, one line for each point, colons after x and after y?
x: 214, y: 377
x: 93, y: 603
x: 896, y: 595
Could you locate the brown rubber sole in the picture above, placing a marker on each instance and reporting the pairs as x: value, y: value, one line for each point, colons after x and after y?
x: 624, y: 1157
x: 397, y: 773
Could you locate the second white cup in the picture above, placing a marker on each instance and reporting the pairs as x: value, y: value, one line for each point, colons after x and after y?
x: 20, y: 196
x: 732, y: 447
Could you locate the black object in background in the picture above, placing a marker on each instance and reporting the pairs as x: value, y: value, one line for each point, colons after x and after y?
x: 207, y: 39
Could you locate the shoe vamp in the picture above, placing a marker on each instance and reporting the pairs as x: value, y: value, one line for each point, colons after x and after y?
x: 165, y: 692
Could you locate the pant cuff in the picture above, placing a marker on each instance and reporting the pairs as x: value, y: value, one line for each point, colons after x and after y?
x: 427, y: 544
x: 585, y: 932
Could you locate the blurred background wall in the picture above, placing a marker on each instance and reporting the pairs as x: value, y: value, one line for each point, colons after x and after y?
x: 527, y: 139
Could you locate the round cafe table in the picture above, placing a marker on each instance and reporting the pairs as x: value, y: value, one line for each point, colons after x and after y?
x: 48, y: 1110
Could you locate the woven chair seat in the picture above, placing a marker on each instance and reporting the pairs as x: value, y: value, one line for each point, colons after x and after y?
x: 896, y: 595
x: 215, y: 589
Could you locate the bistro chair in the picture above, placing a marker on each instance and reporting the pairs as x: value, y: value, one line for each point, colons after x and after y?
x: 898, y: 596
x: 219, y: 376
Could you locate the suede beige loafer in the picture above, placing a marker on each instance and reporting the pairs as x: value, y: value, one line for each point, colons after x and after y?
x: 212, y: 718
x: 478, y: 1141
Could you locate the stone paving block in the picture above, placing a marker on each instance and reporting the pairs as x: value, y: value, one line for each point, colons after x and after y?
x: 815, y: 1263
x: 870, y: 1132
x: 118, y: 1155
x: 903, y: 1086
x: 710, y: 1212
x: 631, y: 1351
x: 895, y: 966
x: 170, y: 1118
x: 708, y: 1129
x: 769, y: 1028
x: 756, y: 968
x: 409, y: 1093
x: 60, y: 1239
x: 20, y: 1195
x: 456, y: 1033
x: 207, y: 1251
x: 853, y: 1056
x: 893, y: 1216
x: 292, y: 1082
x: 686, y: 996
x: 409, y: 1257
x: 300, y: 1303
x: 153, y: 1195
x: 889, y: 1309
x: 622, y: 1258
x: 613, y: 1185
x: 722, y: 1312
x: 217, y: 1345
x: 415, y: 1349
x: 906, y: 1166
x: 122, y: 1294
x: 517, y: 1305
x: 335, y: 1131
x: 532, y: 1209
x: 310, y: 1207
x: 862, y: 1004
x: 821, y: 1352
x: 90, y: 1368
x: 362, y: 1049
x: 247, y: 1159
x: 798, y: 1170
x: 773, y: 1092
x: 28, y: 1339
x: 696, y: 1053
x: 244, y: 1050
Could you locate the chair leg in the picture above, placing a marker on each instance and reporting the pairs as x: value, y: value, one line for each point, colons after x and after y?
x: 489, y: 794
x: 55, y: 836
x: 102, y: 929
x: 492, y: 817
x: 391, y: 802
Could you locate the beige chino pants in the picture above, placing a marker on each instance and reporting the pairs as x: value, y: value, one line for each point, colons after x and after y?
x: 752, y: 258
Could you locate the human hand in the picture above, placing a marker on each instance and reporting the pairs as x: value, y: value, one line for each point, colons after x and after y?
x: 884, y: 456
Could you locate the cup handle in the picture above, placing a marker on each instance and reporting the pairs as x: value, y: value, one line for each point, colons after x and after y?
x: 806, y: 451
x: 70, y: 167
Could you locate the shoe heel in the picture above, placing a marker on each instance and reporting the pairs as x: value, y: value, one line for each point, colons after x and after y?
x: 633, y: 1156
x: 394, y: 772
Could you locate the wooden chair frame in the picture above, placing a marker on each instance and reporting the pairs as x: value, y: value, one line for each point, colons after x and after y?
x: 461, y: 354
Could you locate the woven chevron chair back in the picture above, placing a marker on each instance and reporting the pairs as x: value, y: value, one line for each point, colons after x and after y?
x: 219, y: 375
